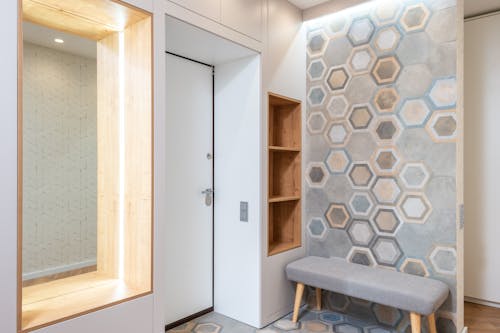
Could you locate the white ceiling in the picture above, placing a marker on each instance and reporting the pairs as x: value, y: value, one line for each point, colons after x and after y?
x: 189, y: 41
x: 304, y: 4
x: 73, y: 44
x: 472, y: 7
x: 475, y: 7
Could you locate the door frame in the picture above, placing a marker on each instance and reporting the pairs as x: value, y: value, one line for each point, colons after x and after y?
x: 182, y: 321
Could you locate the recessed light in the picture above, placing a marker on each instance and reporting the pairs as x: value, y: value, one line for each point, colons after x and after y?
x: 58, y: 40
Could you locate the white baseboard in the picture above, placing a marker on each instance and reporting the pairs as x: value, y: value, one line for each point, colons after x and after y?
x: 482, y: 302
x: 58, y: 269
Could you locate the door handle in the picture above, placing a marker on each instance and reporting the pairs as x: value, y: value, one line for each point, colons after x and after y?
x: 208, y: 196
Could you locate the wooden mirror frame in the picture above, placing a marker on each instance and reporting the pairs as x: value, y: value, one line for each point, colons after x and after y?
x: 124, y: 36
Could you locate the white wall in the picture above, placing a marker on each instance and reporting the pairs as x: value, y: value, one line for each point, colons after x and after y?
x: 59, y: 161
x: 482, y: 159
x: 237, y: 178
x: 284, y: 72
x: 8, y: 167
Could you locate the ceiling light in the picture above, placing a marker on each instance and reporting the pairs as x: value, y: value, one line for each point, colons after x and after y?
x: 58, y: 40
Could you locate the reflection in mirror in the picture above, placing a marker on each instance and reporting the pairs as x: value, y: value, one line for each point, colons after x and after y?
x: 59, y: 155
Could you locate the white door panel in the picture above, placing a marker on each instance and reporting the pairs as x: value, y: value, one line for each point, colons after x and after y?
x: 189, y: 172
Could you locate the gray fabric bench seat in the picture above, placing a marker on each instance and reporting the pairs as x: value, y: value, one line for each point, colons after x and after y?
x: 418, y: 295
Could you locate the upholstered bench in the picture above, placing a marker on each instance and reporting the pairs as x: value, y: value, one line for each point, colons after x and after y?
x: 415, y: 294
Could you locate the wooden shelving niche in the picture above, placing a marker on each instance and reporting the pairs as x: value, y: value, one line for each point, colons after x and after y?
x: 285, y: 169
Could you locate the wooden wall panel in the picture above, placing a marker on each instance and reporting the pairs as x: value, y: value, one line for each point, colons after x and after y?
x: 108, y: 196
x: 138, y: 155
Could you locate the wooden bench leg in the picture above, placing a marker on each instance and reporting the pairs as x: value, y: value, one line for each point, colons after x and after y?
x: 415, y: 323
x: 318, y: 298
x: 432, y: 323
x: 298, y: 300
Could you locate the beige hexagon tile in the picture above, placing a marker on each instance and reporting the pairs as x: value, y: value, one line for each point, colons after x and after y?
x: 442, y: 126
x: 386, y: 70
x: 386, y: 99
x: 337, y: 215
x: 415, y: 17
x: 386, y: 161
x: 414, y: 113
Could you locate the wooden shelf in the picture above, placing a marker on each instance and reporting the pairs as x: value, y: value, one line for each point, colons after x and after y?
x: 283, y: 199
x: 51, y: 302
x: 285, y: 180
x: 277, y: 148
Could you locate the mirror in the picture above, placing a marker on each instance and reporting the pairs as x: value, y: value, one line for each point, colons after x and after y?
x: 85, y: 159
x: 59, y: 155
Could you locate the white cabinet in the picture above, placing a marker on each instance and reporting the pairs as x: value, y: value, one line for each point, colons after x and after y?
x: 244, y: 16
x: 207, y: 8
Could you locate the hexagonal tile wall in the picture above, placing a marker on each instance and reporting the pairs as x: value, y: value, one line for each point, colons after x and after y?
x: 317, y: 228
x: 338, y: 216
x: 386, y: 220
x: 414, y: 113
x: 442, y: 127
x: 386, y: 70
x: 361, y: 60
x: 317, y: 43
x: 316, y: 123
x: 361, y: 204
x: 387, y: 129
x: 415, y: 175
x: 386, y: 12
x: 361, y: 175
x: 386, y: 190
x: 415, y: 17
x: 387, y: 251
x: 361, y: 31
x: 415, y: 207
x: 316, y: 96
x: 316, y: 69
x: 337, y: 78
x: 337, y: 107
x: 316, y: 174
x: 338, y: 134
x: 361, y: 233
x: 360, y: 117
x: 387, y: 315
x: 444, y: 260
x: 386, y: 100
x: 386, y: 161
x: 443, y: 93
x: 414, y: 267
x: 361, y: 256
x: 338, y: 26
x: 337, y: 161
x: 207, y: 328
x: 387, y: 40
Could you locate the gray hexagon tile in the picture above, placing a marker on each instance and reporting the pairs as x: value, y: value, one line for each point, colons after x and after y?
x: 386, y: 70
x: 387, y: 251
x: 361, y: 256
x: 207, y: 328
x: 444, y: 260
x: 337, y: 161
x: 338, y: 134
x: 415, y: 175
x: 415, y: 17
x: 361, y: 204
x: 386, y: 315
x: 316, y: 122
x: 386, y: 40
x: 316, y: 95
x: 317, y: 174
x: 317, y: 43
x: 415, y: 208
x: 414, y: 113
x: 443, y: 93
x: 361, y: 31
x: 414, y: 267
x: 347, y: 328
x: 361, y: 233
x: 361, y: 60
x: 386, y: 161
x: 360, y: 117
x: 337, y: 107
x: 442, y: 126
x: 317, y: 228
x: 316, y: 69
x: 386, y: 220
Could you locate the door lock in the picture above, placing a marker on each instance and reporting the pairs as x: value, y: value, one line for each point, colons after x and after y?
x: 208, y: 196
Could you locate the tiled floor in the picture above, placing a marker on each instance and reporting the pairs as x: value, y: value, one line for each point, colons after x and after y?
x: 310, y: 321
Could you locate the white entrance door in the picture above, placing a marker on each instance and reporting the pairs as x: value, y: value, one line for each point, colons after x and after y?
x: 189, y: 244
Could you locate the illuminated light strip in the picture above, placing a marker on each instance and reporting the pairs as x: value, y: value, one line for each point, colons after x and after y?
x: 121, y: 163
